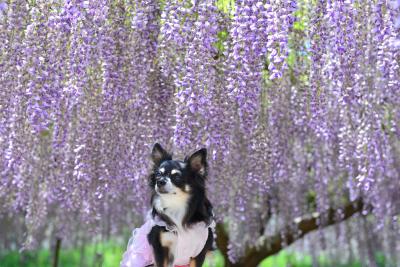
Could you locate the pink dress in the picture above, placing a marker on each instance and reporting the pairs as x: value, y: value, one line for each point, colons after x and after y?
x: 190, y: 242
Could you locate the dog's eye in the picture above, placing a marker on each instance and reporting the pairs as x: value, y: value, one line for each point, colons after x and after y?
x: 176, y: 176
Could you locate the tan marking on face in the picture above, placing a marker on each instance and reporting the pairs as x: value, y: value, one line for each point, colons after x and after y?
x: 187, y: 188
x: 175, y: 171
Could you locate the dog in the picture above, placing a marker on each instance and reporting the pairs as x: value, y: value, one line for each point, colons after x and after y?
x: 179, y: 229
x: 179, y: 199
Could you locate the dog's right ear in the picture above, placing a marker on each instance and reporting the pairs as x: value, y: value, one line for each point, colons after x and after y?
x: 158, y: 154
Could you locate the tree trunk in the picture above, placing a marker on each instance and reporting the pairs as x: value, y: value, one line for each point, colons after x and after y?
x: 82, y: 262
x: 57, y: 248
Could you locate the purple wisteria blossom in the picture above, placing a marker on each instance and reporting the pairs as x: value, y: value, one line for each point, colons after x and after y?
x: 297, y: 102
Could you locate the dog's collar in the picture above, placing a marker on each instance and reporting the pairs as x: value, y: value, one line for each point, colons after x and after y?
x: 158, y: 221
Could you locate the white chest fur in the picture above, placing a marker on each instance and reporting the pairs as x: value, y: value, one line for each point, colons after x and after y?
x: 172, y: 205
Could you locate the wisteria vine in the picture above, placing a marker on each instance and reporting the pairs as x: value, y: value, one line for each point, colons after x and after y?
x: 298, y: 103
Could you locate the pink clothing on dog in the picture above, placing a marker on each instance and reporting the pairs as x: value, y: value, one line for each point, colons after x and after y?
x: 190, y: 242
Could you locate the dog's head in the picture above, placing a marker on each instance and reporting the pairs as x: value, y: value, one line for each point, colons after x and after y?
x: 177, y: 177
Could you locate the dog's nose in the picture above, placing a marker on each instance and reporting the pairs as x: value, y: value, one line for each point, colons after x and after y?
x: 161, y: 182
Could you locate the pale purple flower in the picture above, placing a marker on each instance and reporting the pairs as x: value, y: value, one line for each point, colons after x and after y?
x: 297, y: 116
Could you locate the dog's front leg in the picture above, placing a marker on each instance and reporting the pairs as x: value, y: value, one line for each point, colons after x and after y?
x: 163, y: 243
x: 168, y: 242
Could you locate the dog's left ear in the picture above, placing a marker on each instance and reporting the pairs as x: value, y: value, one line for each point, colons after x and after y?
x: 158, y: 154
x: 198, y: 161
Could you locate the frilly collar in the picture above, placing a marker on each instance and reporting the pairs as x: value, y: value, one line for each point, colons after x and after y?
x: 173, y: 228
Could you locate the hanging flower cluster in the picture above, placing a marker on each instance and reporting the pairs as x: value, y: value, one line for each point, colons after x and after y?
x: 298, y: 103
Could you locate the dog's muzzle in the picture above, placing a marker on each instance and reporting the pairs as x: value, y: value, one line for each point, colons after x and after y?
x: 161, y: 187
x: 161, y: 182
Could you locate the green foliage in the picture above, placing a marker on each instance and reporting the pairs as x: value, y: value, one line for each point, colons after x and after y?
x: 311, y: 200
x: 287, y: 259
x: 226, y: 6
x: 284, y: 259
x: 214, y: 260
x: 222, y: 36
x: 109, y: 254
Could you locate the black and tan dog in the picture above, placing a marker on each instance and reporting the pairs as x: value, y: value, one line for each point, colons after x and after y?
x: 179, y: 199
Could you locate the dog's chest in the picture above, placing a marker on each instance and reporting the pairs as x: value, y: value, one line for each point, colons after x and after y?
x: 185, y: 243
x: 174, y: 206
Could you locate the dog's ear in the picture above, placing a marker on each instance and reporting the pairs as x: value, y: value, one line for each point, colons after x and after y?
x: 198, y: 161
x: 158, y: 154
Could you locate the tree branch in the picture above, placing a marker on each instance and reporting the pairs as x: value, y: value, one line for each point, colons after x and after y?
x: 271, y: 245
x: 222, y: 241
